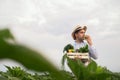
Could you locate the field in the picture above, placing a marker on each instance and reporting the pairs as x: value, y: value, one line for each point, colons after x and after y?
x: 33, y: 60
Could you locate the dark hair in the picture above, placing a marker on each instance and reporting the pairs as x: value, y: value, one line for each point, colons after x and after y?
x: 76, y: 31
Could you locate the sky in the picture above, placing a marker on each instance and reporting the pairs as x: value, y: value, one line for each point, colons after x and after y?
x: 46, y: 25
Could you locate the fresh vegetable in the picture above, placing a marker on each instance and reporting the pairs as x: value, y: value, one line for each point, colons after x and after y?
x: 84, y: 49
x: 68, y: 47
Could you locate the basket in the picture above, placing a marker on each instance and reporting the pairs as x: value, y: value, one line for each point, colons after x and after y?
x: 78, y: 55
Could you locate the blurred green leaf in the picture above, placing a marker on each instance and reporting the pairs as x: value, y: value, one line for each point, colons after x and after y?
x: 78, y: 68
x: 90, y: 72
x: 35, y: 61
x: 3, y: 78
x: 67, y: 47
x: 26, y: 56
x: 92, y: 66
x: 6, y: 34
x: 63, y: 60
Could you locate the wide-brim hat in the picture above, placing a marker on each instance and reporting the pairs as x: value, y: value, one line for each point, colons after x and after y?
x: 78, y: 28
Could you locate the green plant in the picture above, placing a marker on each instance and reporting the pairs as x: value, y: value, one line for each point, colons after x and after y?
x: 29, y: 58
x: 67, y: 47
x: 84, y: 49
x: 90, y: 72
x: 80, y: 50
x: 16, y: 73
x: 35, y: 61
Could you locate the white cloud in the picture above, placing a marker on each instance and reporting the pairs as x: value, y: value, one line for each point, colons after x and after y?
x: 94, y: 21
x: 19, y: 12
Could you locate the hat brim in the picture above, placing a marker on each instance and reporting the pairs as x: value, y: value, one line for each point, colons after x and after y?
x: 78, y: 28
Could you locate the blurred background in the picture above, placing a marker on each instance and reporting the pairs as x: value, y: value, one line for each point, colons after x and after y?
x: 46, y: 25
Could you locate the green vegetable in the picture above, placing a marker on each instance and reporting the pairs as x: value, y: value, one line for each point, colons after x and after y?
x: 67, y: 47
x: 84, y: 49
x: 70, y: 48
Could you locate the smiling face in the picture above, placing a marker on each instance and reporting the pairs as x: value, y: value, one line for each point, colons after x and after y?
x: 80, y: 35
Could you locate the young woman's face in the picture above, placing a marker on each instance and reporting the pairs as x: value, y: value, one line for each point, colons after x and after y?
x: 80, y: 35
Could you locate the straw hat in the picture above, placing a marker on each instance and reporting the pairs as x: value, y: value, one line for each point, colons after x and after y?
x: 78, y: 28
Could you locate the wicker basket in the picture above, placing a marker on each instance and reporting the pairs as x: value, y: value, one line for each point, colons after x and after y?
x: 78, y: 55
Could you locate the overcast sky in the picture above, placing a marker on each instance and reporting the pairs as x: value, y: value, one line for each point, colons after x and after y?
x: 46, y: 26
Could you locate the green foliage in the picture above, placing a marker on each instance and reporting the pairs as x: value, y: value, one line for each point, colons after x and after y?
x: 90, y: 72
x: 26, y: 56
x: 81, y: 50
x: 67, y: 47
x: 84, y: 49
x: 63, y: 60
x: 35, y: 61
x: 16, y: 73
x: 6, y: 34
